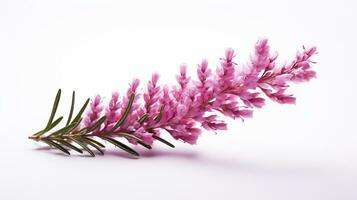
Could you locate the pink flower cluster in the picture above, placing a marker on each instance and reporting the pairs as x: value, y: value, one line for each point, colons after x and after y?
x: 94, y: 112
x: 184, y: 109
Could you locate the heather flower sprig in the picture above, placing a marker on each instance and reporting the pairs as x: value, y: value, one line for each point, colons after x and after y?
x: 182, y: 110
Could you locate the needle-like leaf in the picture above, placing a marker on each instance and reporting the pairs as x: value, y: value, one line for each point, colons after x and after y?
x: 97, y: 124
x: 142, y: 143
x: 95, y: 142
x: 88, y: 142
x: 143, y: 118
x: 54, y: 108
x: 72, y: 108
x: 76, y: 125
x: 79, y: 115
x: 158, y: 117
x: 67, y: 144
x: 56, y: 145
x: 55, y: 123
x: 120, y: 145
x: 126, y: 112
x: 84, y: 146
x: 65, y: 129
x: 130, y: 136
x: 163, y: 141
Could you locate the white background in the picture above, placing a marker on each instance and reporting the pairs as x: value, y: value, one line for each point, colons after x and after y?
x: 302, y: 151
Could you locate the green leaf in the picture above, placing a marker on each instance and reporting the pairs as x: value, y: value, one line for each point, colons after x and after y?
x: 56, y: 145
x: 142, y: 143
x: 67, y: 144
x: 130, y: 136
x: 54, y: 109
x: 55, y: 123
x: 72, y: 108
x: 158, y: 117
x: 163, y: 141
x: 84, y: 146
x: 85, y: 140
x: 79, y: 115
x: 95, y: 142
x: 76, y: 125
x: 120, y: 145
x: 126, y: 112
x: 97, y: 124
x: 143, y: 118
x: 65, y: 129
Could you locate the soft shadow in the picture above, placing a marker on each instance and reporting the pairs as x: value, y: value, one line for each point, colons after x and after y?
x: 271, y: 168
x: 118, y: 153
x: 232, y: 164
x: 275, y: 168
x: 170, y: 153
